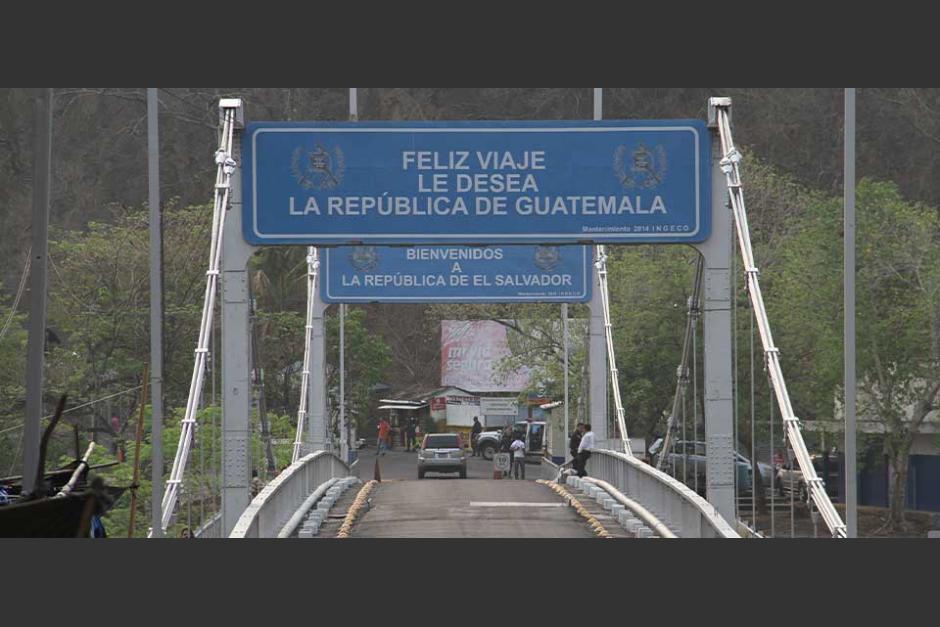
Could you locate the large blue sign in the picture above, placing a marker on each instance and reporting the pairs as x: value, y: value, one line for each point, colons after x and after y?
x: 563, y: 182
x: 461, y: 274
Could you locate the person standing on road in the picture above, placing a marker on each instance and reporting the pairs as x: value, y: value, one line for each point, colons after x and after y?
x: 505, y: 442
x: 573, y: 442
x: 384, y: 429
x: 412, y: 427
x: 518, y: 457
x: 584, y: 449
x: 475, y: 436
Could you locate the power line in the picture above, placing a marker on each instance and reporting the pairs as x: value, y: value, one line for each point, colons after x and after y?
x: 70, y: 409
x: 19, y: 294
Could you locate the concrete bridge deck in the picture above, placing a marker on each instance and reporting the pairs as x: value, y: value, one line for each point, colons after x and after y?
x: 444, y: 506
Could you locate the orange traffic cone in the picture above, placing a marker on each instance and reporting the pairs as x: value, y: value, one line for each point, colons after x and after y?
x: 378, y: 474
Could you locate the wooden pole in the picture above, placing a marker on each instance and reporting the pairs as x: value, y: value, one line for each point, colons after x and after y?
x: 138, y: 437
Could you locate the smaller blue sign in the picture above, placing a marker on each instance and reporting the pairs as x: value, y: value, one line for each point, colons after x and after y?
x: 456, y: 274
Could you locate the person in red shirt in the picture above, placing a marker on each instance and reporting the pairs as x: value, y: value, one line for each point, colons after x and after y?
x: 384, y: 429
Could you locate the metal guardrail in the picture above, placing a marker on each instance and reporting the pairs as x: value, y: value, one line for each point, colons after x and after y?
x: 267, y: 514
x: 745, y: 531
x: 212, y: 528
x: 670, y: 500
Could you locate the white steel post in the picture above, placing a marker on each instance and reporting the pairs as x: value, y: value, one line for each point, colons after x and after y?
x: 851, y: 494
x: 156, y: 314
x: 42, y: 160
x: 564, y: 331
x: 317, y: 439
x: 597, y: 342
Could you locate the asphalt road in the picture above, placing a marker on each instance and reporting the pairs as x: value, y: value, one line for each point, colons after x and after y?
x: 399, y: 464
x: 444, y: 506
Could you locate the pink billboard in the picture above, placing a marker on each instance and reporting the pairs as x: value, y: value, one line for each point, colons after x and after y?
x: 471, y: 351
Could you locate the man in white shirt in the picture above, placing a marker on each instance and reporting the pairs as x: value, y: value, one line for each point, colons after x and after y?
x: 518, y: 457
x: 584, y: 449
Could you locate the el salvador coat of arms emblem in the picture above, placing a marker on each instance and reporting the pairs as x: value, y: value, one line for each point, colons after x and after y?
x: 364, y: 258
x: 547, y: 257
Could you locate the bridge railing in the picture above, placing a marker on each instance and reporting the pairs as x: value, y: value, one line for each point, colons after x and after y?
x: 268, y: 512
x: 212, y: 528
x: 672, y: 502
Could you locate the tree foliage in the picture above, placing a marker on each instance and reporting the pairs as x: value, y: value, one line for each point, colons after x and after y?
x: 897, y: 323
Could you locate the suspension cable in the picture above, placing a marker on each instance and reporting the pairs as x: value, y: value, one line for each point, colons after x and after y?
x: 730, y: 167
x: 682, y: 372
x: 313, y: 266
x: 19, y: 292
x: 695, y: 391
x: 735, y: 375
x: 601, y: 264
x: 225, y: 168
x: 753, y: 435
x: 773, y: 460
x: 685, y: 437
x: 792, y: 499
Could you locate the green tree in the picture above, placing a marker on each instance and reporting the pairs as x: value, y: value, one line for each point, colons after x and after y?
x: 367, y: 357
x: 898, y: 317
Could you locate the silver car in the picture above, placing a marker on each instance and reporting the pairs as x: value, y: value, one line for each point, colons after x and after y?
x: 442, y: 452
x: 688, y: 459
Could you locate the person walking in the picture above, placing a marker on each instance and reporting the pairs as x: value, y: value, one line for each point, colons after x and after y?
x: 573, y: 442
x: 518, y: 457
x: 505, y: 442
x: 384, y: 429
x: 584, y: 449
x: 475, y: 432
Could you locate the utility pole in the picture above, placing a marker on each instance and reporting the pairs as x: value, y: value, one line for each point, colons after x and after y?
x: 342, y: 382
x: 343, y: 427
x: 156, y: 314
x: 598, y: 385
x: 35, y: 359
x: 848, y: 244
x: 564, y: 331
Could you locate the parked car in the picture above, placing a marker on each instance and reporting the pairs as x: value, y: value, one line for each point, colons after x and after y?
x: 531, y: 432
x: 687, y: 459
x: 442, y: 452
x: 791, y: 475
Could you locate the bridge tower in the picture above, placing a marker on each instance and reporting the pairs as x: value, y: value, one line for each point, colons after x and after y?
x: 716, y: 331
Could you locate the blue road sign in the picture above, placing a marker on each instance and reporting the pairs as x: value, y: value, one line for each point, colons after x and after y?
x: 456, y: 274
x: 561, y: 182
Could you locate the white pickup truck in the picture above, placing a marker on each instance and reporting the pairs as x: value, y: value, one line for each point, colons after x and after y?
x: 534, y: 432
